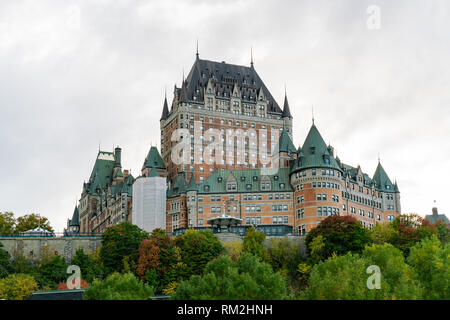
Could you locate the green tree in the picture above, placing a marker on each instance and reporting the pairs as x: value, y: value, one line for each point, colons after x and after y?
x: 346, y: 277
x: 383, y: 233
x: 118, y: 287
x: 253, y: 243
x: 285, y: 256
x: 17, y: 286
x: 120, y: 247
x: 430, y: 261
x: 89, y: 268
x: 51, y: 270
x: 223, y: 279
x: 341, y: 234
x: 5, y: 267
x: 32, y: 221
x: 160, y: 260
x: 397, y: 274
x: 7, y: 222
x: 197, y: 249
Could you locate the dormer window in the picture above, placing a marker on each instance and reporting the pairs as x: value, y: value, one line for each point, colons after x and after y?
x: 242, y: 178
x: 313, y: 150
x: 255, y: 178
x: 219, y: 179
x: 206, y: 188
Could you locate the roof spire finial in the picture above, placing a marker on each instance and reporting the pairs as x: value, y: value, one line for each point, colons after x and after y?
x: 378, y: 157
x: 312, y: 111
x: 196, y: 54
x: 251, y: 56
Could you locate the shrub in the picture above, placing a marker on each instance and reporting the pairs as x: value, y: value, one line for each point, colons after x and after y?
x: 17, y: 286
x: 118, y: 287
x: 429, y: 259
x: 223, y: 279
x: 253, y: 243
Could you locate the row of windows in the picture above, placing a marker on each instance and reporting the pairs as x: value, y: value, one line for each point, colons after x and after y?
x: 252, y: 208
x: 280, y: 207
x: 280, y: 220
x: 327, y: 211
x: 362, y: 200
x: 245, y: 197
x: 228, y: 122
x: 326, y: 185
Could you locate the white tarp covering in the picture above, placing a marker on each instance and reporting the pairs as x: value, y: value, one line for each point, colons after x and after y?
x: 149, y: 203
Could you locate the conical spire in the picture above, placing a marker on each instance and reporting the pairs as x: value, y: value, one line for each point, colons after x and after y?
x: 382, y: 180
x: 165, y: 111
x: 192, y: 186
x: 315, y: 153
x: 286, y: 110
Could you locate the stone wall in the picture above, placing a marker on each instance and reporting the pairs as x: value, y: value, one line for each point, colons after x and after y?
x: 33, y: 247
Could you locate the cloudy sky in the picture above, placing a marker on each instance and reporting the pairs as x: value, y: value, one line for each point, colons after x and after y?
x: 76, y: 74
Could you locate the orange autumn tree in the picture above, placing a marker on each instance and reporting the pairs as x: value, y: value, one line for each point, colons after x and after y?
x: 159, y: 261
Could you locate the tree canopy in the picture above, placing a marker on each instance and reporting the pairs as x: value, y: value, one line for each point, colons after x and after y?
x: 341, y: 234
x: 223, y: 279
x: 120, y: 247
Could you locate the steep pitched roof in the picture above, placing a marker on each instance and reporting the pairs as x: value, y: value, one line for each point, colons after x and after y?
x: 315, y: 153
x: 433, y: 218
x: 75, y: 218
x: 224, y: 76
x: 286, y: 110
x: 285, y: 143
x: 192, y: 186
x: 153, y: 160
x: 381, y: 179
x: 165, y: 111
x: 179, y: 186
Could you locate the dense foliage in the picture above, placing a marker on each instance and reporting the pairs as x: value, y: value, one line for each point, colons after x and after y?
x: 118, y: 287
x: 8, y: 224
x: 430, y: 261
x: 5, y: 268
x: 197, y: 249
x: 17, y: 286
x: 246, y: 279
x: 341, y: 234
x: 120, y: 247
x: 253, y: 243
x: 159, y: 260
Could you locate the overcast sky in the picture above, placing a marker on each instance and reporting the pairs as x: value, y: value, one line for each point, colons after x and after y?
x: 76, y: 74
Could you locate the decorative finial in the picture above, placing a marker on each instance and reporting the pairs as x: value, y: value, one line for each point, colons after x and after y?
x: 196, y: 54
x: 378, y: 157
x: 312, y: 111
x: 251, y: 56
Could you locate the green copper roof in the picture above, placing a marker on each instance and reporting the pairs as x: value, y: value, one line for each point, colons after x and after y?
x: 285, y: 143
x: 247, y: 180
x: 153, y: 159
x: 315, y: 153
x: 153, y: 173
x: 75, y: 218
x: 192, y: 186
x: 178, y: 187
x: 381, y: 179
x: 102, y: 173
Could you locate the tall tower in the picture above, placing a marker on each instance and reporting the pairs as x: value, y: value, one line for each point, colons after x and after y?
x: 228, y: 98
x: 316, y: 179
